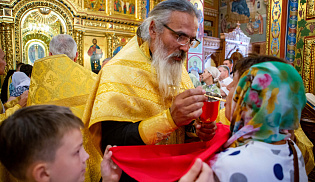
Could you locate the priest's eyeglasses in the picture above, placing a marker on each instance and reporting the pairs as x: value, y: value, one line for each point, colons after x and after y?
x: 183, y: 39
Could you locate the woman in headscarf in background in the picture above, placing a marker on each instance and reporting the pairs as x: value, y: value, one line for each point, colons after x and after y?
x: 7, y: 87
x: 211, y: 78
x: 265, y: 109
x: 21, y: 83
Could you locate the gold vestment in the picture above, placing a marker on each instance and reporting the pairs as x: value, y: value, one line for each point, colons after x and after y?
x: 57, y: 80
x: 10, y: 107
x: 127, y: 91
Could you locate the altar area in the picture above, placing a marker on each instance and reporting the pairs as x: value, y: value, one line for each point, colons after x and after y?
x: 282, y: 28
x: 274, y: 27
x: 27, y: 26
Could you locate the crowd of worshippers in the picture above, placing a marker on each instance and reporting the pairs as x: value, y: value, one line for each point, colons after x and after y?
x: 215, y: 79
x: 144, y: 96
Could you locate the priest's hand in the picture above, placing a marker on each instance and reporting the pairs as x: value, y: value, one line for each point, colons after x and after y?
x: 199, y: 172
x: 109, y: 170
x: 187, y: 106
x: 205, y: 131
x: 23, y: 100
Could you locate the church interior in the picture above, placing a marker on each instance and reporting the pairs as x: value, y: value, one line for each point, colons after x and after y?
x: 228, y: 29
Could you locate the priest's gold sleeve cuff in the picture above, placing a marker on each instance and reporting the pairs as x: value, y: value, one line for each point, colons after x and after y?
x: 157, y: 128
x: 12, y: 103
x: 9, y: 112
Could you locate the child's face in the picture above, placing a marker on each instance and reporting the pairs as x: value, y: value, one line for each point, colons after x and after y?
x: 70, y: 159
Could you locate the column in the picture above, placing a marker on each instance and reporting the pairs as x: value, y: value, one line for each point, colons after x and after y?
x: 109, y: 45
x: 7, y: 44
x: 78, y: 38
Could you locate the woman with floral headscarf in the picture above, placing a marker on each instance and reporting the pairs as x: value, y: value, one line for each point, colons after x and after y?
x: 266, y: 107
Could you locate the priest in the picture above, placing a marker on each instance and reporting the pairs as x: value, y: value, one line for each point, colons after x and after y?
x: 144, y: 94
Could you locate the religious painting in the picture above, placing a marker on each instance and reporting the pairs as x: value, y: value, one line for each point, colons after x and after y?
x: 195, y: 53
x: 94, y: 54
x: 305, y: 40
x: 223, y: 3
x: 208, y: 33
x: 95, y: 5
x: 124, y: 7
x: 208, y: 28
x: 117, y: 50
x: 251, y: 14
x: 101, y: 8
x: 275, y: 28
x: 241, y: 7
x: 117, y: 44
x: 258, y: 4
x: 208, y: 23
x: 194, y: 64
x: 35, y: 51
x: 200, y: 32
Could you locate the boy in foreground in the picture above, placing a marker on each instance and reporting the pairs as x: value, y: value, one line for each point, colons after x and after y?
x: 44, y: 143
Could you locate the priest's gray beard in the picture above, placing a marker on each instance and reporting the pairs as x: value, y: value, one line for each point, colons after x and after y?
x: 168, y: 70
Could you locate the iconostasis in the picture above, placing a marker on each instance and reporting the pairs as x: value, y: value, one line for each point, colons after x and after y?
x: 27, y: 26
x: 285, y: 27
x: 100, y: 27
x: 290, y: 35
x: 301, y: 35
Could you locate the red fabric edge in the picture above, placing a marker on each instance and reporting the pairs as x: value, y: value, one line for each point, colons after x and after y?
x: 168, y: 162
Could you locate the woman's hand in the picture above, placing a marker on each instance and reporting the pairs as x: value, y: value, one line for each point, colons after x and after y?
x: 199, y: 172
x: 23, y: 100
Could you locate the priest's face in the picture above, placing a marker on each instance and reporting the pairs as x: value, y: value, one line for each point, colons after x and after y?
x: 169, y: 54
x: 180, y: 23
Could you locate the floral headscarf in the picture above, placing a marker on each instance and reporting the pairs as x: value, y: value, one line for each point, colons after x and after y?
x: 269, y: 100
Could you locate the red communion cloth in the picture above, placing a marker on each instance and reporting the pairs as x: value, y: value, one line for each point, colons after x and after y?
x: 166, y: 162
